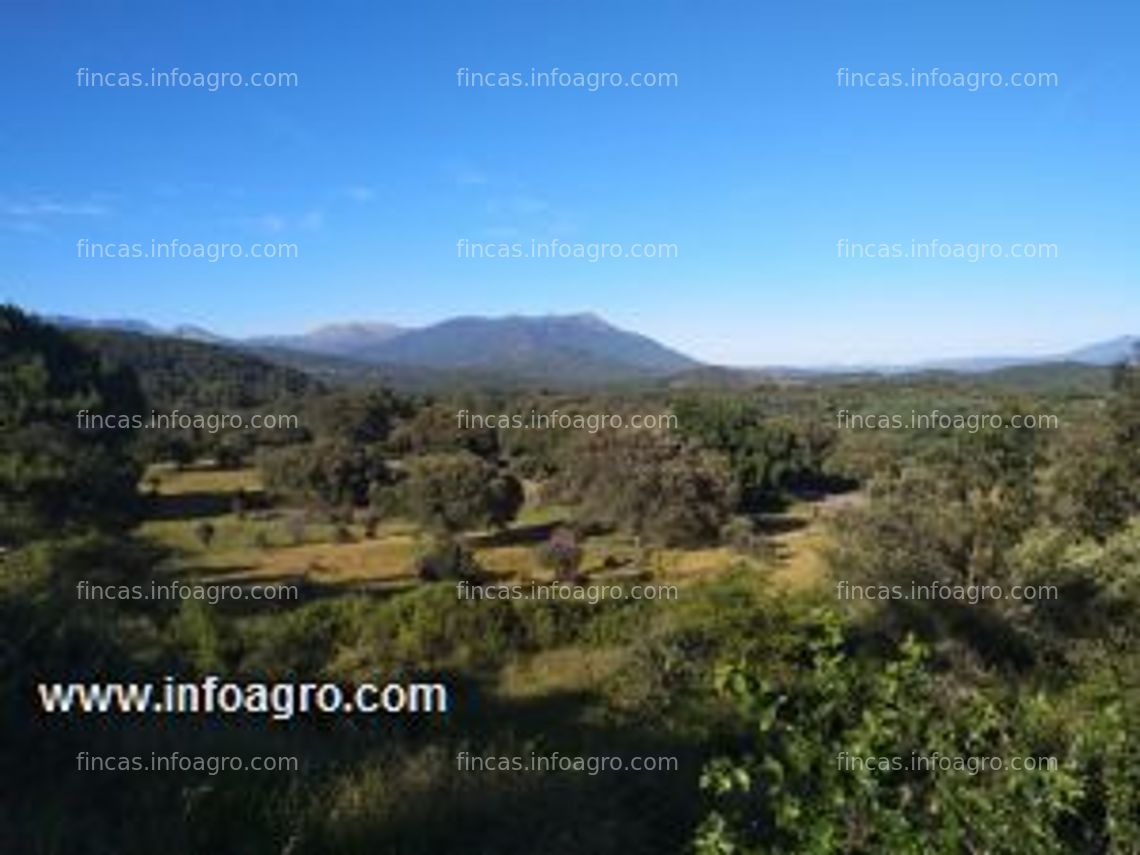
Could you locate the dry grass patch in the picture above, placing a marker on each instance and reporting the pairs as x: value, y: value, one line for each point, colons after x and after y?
x: 175, y: 482
x: 359, y: 563
x: 564, y: 670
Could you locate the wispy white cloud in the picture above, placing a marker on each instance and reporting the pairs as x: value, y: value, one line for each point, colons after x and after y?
x: 46, y: 207
x: 314, y: 219
x: 24, y: 226
x: 512, y: 209
x: 471, y: 178
x: 502, y: 232
x: 39, y: 214
x: 272, y: 223
x: 360, y: 193
x: 529, y: 215
x: 519, y: 206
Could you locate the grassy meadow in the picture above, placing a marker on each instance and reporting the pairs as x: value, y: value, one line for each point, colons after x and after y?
x: 252, y: 547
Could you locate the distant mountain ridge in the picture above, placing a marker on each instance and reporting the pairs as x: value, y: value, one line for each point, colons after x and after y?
x: 1106, y: 352
x: 346, y: 339
x: 117, y: 324
x: 581, y: 348
x: 561, y: 348
x: 528, y: 344
x: 1103, y: 353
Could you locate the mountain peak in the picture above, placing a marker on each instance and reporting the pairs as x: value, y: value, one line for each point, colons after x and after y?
x: 196, y: 333
x: 581, y: 346
x: 355, y: 327
x: 591, y: 320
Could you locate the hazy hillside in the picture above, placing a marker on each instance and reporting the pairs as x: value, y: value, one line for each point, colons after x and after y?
x: 574, y: 345
x: 1053, y: 377
x: 1106, y: 352
x: 346, y: 371
x: 582, y: 349
x: 347, y: 339
x: 179, y: 372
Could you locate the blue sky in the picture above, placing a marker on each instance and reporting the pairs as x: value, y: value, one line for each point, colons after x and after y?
x: 754, y: 166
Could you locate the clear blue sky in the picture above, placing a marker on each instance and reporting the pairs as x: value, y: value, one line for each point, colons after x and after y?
x: 755, y: 165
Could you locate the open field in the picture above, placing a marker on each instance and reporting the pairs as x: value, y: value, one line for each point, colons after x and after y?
x: 259, y: 545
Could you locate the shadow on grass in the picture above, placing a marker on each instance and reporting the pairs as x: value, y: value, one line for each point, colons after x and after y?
x: 302, y: 588
x: 194, y: 505
x: 776, y: 524
x: 981, y: 628
x: 523, y: 535
x: 368, y: 784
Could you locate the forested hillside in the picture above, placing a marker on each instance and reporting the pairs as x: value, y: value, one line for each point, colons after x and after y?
x: 176, y: 372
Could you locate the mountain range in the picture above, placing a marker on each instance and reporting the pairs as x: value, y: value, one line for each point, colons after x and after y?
x: 578, y: 348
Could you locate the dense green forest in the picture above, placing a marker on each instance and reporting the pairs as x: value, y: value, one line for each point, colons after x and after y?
x: 176, y: 372
x: 758, y: 687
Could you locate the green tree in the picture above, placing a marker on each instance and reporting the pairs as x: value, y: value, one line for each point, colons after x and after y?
x: 653, y: 486
x: 327, y: 472
x: 232, y: 449
x: 1095, y: 479
x: 767, y: 453
x: 439, y: 429
x: 458, y: 491
x: 354, y: 416
x: 60, y: 469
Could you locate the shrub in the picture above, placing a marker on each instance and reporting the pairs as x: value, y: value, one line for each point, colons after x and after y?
x: 562, y: 554
x: 205, y: 532
x: 371, y: 522
x: 448, y: 559
x: 296, y: 524
x: 829, y: 766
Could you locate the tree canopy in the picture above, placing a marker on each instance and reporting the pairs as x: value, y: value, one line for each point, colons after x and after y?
x: 55, y: 474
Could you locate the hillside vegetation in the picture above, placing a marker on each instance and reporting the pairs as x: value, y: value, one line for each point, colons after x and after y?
x: 746, y: 510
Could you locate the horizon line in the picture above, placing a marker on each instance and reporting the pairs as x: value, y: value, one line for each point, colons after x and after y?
x: 829, y: 366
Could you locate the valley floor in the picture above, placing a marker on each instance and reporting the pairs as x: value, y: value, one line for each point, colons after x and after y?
x: 259, y: 546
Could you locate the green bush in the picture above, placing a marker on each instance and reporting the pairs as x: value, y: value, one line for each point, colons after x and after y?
x: 795, y: 790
